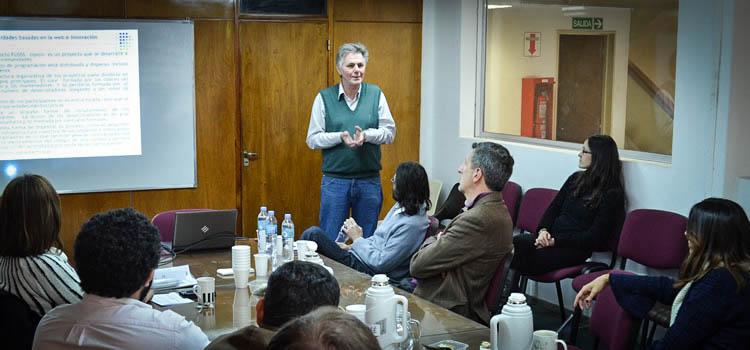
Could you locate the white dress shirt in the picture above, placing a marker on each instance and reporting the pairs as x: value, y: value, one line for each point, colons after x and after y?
x: 110, y: 323
x: 318, y: 138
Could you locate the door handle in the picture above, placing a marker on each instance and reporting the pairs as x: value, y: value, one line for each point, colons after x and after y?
x: 247, y: 157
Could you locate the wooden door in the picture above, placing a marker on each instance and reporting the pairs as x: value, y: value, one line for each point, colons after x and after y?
x: 395, y: 51
x: 284, y: 65
x: 580, y: 86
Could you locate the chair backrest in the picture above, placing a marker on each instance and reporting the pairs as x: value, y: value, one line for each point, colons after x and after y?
x: 435, y: 187
x: 654, y: 238
x: 610, y: 323
x: 18, y: 325
x: 535, y: 202
x: 512, y: 198
x: 491, y: 299
x: 452, y: 205
x: 164, y: 222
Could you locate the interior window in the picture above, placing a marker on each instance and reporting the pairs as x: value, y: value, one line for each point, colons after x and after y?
x: 562, y: 72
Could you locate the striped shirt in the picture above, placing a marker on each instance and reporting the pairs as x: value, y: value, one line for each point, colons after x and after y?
x: 42, y: 281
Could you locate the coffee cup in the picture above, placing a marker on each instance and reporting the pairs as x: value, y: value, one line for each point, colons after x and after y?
x: 205, y: 290
x: 546, y: 340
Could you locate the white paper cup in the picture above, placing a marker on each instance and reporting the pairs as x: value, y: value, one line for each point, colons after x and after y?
x: 261, y: 265
x: 240, y: 278
x: 357, y: 310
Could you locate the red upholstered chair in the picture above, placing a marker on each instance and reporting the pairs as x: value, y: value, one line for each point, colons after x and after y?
x: 654, y: 238
x: 512, y: 198
x: 164, y: 222
x: 492, y: 299
x: 611, y: 324
x: 535, y: 202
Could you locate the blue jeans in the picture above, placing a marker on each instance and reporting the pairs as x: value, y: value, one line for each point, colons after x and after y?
x: 330, y: 249
x: 364, y: 197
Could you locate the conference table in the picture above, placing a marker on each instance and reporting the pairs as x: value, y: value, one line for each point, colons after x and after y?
x: 235, y: 308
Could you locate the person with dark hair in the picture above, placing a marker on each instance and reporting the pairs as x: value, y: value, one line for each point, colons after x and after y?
x: 348, y: 122
x: 454, y: 268
x: 711, y: 299
x: 583, y: 214
x: 33, y: 266
x: 294, y: 289
x: 116, y: 254
x: 389, y: 249
x: 326, y: 328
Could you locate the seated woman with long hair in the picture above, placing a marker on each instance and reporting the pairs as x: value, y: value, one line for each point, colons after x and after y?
x: 588, y: 207
x: 398, y: 237
x: 33, y: 266
x: 711, y: 300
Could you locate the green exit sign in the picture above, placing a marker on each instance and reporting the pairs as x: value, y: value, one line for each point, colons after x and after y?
x: 594, y: 23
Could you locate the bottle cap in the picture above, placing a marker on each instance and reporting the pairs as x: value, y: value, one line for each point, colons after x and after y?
x: 287, y: 216
x: 517, y: 298
x: 379, y: 280
x: 271, y: 212
x: 263, y: 208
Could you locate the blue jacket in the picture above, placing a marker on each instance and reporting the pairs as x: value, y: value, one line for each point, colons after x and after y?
x: 713, y: 314
x: 390, y: 248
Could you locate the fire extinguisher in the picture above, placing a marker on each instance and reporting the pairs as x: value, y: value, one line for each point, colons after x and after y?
x: 541, y: 116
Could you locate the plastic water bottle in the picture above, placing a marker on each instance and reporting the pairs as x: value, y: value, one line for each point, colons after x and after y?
x: 342, y: 237
x: 271, y: 229
x: 262, y: 218
x: 287, y: 233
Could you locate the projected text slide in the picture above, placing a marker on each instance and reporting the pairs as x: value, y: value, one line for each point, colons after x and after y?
x: 68, y: 94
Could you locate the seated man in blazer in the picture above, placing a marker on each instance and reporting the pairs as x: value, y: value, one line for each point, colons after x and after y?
x: 454, y: 268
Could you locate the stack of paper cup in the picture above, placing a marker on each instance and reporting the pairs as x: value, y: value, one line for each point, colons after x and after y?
x: 242, y: 314
x: 241, y: 265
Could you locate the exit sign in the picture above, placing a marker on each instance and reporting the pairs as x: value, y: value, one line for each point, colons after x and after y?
x: 593, y: 23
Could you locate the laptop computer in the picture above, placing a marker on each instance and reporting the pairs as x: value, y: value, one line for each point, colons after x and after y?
x: 204, y: 229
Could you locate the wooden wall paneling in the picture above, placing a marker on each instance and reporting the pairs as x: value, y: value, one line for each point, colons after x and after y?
x: 395, y: 56
x: 378, y: 10
x: 181, y: 8
x: 67, y: 8
x: 78, y: 208
x: 284, y: 65
x: 216, y: 125
x: 4, y: 8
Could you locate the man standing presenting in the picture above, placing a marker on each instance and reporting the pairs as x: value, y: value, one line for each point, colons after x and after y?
x: 349, y: 121
x: 454, y: 270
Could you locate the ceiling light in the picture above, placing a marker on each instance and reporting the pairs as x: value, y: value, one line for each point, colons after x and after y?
x: 492, y: 7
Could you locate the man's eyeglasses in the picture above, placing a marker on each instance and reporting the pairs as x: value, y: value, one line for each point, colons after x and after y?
x: 585, y: 151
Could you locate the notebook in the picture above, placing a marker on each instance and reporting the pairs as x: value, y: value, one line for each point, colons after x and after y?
x: 204, y: 229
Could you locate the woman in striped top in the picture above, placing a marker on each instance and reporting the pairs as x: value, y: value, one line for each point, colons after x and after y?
x: 33, y: 266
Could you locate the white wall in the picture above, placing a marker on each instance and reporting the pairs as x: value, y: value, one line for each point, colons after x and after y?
x: 737, y: 160
x: 506, y: 63
x: 448, y: 110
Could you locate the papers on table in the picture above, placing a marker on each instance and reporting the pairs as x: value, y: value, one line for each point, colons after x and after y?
x: 169, y: 299
x: 173, y: 277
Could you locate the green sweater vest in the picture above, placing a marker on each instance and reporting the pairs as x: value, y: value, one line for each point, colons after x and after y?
x: 341, y: 161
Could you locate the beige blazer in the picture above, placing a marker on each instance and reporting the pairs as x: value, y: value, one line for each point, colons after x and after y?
x: 455, y: 270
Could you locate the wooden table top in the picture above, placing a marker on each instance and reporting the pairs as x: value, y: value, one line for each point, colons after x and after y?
x: 235, y: 308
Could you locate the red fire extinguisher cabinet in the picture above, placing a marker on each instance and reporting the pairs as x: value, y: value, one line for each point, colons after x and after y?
x: 537, y: 107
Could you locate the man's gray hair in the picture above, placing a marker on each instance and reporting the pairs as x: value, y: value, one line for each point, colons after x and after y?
x: 495, y: 161
x: 350, y: 48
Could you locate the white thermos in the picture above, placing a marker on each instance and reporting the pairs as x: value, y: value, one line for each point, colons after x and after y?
x: 513, y: 328
x: 380, y: 312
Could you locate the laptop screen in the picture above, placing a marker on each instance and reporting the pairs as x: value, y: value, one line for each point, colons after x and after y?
x: 204, y: 229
